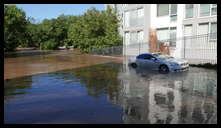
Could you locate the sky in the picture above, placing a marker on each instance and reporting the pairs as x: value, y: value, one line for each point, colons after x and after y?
x: 43, y: 11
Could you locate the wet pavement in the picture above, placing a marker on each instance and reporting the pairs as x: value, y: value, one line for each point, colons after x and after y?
x: 110, y: 92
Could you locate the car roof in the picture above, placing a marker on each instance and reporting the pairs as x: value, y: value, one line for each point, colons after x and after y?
x: 144, y: 54
x: 157, y: 53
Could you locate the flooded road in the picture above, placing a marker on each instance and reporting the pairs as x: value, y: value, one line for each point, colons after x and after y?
x: 111, y: 92
x: 25, y: 63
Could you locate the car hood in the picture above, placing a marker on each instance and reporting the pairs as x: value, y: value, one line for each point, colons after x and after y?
x: 179, y: 61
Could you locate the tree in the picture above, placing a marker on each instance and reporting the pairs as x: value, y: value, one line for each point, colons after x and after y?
x: 55, y: 32
x: 95, y: 29
x: 92, y: 30
x: 14, y: 27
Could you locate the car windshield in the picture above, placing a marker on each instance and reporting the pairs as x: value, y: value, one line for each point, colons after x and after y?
x: 162, y: 56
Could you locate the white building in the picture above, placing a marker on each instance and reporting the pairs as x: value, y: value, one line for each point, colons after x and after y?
x: 172, y: 22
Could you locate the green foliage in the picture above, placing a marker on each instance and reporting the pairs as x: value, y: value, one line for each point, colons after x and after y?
x: 14, y: 27
x: 92, y: 30
x: 49, y: 45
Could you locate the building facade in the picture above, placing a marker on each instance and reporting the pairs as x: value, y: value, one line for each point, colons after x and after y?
x: 171, y: 21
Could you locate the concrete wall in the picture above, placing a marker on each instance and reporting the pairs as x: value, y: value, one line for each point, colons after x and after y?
x: 164, y: 22
x: 151, y: 21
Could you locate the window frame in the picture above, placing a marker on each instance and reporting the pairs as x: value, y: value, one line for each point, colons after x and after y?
x: 169, y: 29
x: 209, y: 29
x: 163, y: 15
x: 170, y: 14
x: 133, y: 41
x: 125, y: 38
x: 138, y: 32
x: 163, y: 28
x: 128, y: 20
x: 134, y: 18
x: 210, y: 26
x: 185, y: 12
x: 140, y: 18
x: 210, y: 9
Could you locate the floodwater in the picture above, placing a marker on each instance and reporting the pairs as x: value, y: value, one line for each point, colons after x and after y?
x: 30, y: 62
x: 112, y: 92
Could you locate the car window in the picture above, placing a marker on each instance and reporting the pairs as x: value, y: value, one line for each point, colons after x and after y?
x: 145, y: 56
x: 162, y: 56
x: 141, y: 56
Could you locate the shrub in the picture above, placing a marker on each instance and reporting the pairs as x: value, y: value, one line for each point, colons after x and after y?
x: 49, y: 45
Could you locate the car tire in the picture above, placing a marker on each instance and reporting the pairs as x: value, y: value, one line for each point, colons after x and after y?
x: 164, y: 69
x: 134, y: 65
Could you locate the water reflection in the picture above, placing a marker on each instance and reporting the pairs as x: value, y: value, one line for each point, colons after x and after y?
x: 188, y: 97
x: 126, y: 95
x: 16, y: 87
x: 98, y: 79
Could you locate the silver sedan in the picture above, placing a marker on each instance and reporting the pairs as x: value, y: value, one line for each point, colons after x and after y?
x: 159, y: 61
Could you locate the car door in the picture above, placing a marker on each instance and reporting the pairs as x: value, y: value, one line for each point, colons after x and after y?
x: 149, y: 62
x: 140, y: 60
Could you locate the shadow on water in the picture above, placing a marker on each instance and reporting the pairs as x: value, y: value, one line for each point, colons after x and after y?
x: 112, y: 93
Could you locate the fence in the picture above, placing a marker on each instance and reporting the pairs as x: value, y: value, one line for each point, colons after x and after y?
x: 110, y: 51
x: 200, y: 48
x: 196, y: 49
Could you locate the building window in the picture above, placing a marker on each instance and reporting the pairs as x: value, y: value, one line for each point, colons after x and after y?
x: 133, y: 18
x: 167, y: 9
x: 213, y: 31
x: 173, y: 36
x: 140, y: 36
x: 133, y: 37
x: 204, y: 9
x: 208, y: 28
x: 208, y: 10
x: 203, y: 28
x: 214, y: 9
x: 140, y: 16
x: 189, y: 11
x: 164, y: 34
x: 162, y: 9
x: 188, y: 30
x: 127, y: 38
x: 173, y: 12
x: 126, y: 19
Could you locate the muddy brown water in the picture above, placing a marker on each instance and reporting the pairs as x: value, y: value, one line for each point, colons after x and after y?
x: 23, y: 64
x: 107, y: 92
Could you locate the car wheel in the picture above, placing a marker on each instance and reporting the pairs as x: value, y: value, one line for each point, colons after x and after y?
x: 164, y: 69
x: 134, y: 65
